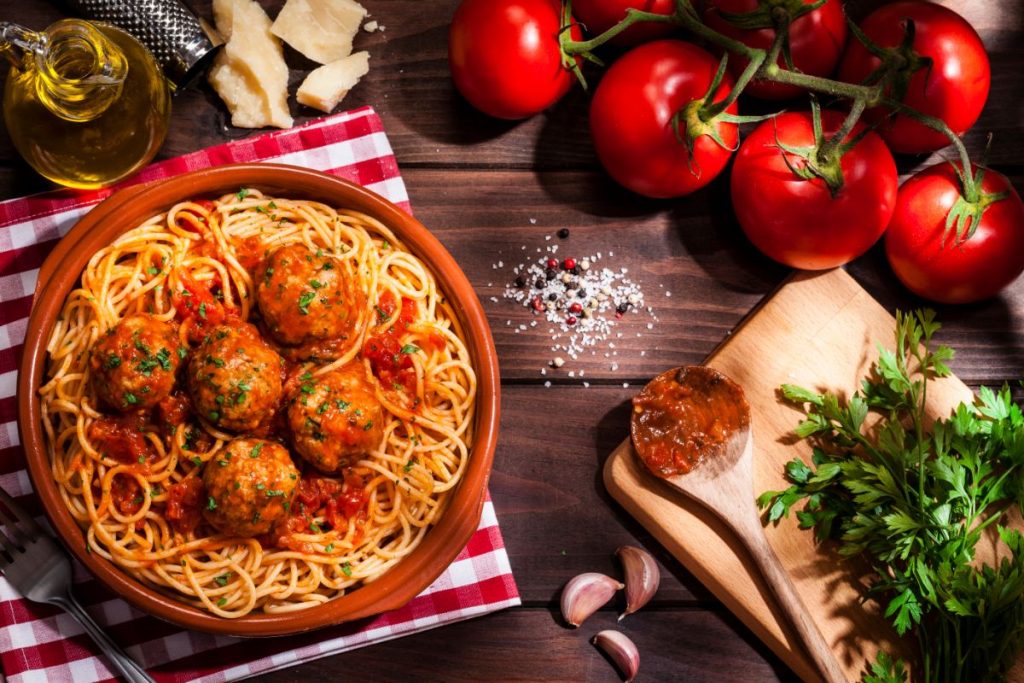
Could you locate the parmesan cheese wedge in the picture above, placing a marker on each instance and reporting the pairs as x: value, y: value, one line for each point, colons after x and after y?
x: 320, y: 29
x: 325, y: 87
x: 250, y: 74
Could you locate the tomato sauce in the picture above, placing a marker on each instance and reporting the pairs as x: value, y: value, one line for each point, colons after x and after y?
x: 684, y: 416
x: 196, y: 304
x: 126, y: 494
x: 335, y: 500
x: 184, y: 500
x: 393, y: 368
x: 122, y: 439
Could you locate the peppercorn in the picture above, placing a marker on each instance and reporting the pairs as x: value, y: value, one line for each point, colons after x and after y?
x: 563, y: 233
x: 552, y: 263
x: 539, y: 284
x: 537, y: 304
x: 520, y: 282
x: 550, y: 273
x: 622, y: 308
x: 569, y: 263
x: 571, y: 320
x: 576, y: 307
x: 552, y: 297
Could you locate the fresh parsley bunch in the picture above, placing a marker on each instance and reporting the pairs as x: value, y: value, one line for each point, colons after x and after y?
x: 915, y: 499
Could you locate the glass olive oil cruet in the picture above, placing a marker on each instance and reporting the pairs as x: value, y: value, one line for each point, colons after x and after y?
x: 85, y: 103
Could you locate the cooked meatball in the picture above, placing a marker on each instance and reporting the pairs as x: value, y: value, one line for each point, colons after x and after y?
x: 335, y: 418
x: 249, y: 487
x: 305, y: 298
x: 234, y: 378
x: 134, y: 363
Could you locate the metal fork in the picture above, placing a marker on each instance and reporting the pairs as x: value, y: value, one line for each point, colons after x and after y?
x: 41, y: 571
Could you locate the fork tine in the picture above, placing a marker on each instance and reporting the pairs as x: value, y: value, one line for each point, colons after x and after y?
x: 28, y: 525
x: 14, y: 532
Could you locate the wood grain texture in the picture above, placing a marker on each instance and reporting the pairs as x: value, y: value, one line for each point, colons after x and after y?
x: 489, y: 187
x: 532, y: 645
x: 817, y: 332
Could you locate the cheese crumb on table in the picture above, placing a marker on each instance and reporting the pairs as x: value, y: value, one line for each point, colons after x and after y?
x: 250, y: 74
x: 325, y: 87
x: 322, y: 30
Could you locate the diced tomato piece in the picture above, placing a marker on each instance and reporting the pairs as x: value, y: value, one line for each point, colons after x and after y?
x: 122, y: 439
x: 183, y: 504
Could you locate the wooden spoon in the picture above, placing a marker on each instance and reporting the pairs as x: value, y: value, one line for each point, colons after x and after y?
x: 706, y: 419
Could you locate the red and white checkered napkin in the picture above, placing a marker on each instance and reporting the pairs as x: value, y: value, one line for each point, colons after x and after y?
x: 40, y: 643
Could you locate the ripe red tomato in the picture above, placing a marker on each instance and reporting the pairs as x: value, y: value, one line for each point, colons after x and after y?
x: 505, y: 57
x: 815, y: 41
x: 631, y: 120
x: 930, y: 262
x: 800, y: 222
x: 600, y: 15
x: 954, y: 88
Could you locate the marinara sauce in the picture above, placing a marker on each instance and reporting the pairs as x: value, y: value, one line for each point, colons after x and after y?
x: 684, y: 416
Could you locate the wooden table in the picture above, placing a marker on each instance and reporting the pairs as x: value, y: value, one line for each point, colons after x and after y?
x: 489, y: 187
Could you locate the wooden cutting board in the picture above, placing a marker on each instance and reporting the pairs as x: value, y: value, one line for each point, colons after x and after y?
x: 818, y: 331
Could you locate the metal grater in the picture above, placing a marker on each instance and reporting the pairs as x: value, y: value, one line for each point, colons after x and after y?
x: 181, y: 42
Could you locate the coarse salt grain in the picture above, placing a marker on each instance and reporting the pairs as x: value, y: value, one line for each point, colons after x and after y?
x: 600, y: 292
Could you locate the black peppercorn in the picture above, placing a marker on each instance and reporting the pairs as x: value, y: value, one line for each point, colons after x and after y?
x: 563, y: 233
x: 550, y: 273
x: 520, y: 282
x: 623, y: 307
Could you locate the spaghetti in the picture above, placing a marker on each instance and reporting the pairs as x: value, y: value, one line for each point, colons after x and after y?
x: 133, y: 479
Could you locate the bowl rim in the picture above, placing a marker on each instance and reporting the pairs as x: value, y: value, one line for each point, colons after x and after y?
x: 127, y: 209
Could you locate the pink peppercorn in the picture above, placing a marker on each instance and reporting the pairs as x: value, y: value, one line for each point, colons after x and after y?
x: 569, y: 263
x: 576, y: 307
x: 571, y: 320
x: 552, y: 263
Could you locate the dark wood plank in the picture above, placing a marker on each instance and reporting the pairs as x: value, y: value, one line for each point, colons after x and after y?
x: 430, y: 124
x: 556, y: 516
x: 532, y: 645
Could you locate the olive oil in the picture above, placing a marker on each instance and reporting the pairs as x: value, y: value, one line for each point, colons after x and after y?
x: 85, y: 103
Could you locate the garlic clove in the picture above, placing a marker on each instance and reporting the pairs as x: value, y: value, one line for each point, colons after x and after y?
x: 642, y: 577
x: 621, y: 650
x: 585, y: 594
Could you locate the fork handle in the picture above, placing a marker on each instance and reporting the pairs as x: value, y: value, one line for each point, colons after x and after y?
x: 131, y: 671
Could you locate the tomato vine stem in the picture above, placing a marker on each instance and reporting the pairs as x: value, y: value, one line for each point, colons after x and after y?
x: 763, y: 65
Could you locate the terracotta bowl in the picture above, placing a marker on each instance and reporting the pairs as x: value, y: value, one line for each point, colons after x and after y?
x: 126, y: 210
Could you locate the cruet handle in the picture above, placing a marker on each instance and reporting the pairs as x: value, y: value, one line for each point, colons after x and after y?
x: 17, y: 42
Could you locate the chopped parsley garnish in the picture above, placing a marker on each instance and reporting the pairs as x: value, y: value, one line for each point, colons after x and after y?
x: 347, y: 568
x: 255, y: 452
x: 130, y: 399
x: 328, y: 266
x: 152, y: 271
x: 202, y: 310
x: 342, y: 405
x: 214, y: 416
x: 141, y: 459
x: 315, y: 528
x: 304, y: 301
x: 242, y: 194
x: 409, y: 465
x: 306, y: 376
x: 381, y: 314
x: 368, y: 426
x: 329, y: 548
x: 322, y: 408
x: 410, y: 348
x: 260, y: 487
x: 163, y: 356
x: 307, y: 388
x: 211, y: 504
x: 222, y: 463
x: 182, y: 352
x: 222, y: 602
x: 272, y: 493
x: 146, y: 366
x: 196, y: 460
x: 113, y: 361
x: 222, y: 580
x: 316, y: 284
x: 219, y: 362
